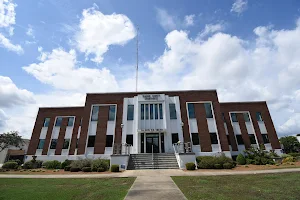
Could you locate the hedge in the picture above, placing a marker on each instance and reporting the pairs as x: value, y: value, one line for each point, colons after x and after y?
x: 114, y: 168
x: 10, y: 165
x: 214, y: 162
x: 240, y: 159
x: 190, y: 166
x: 65, y: 163
x: 100, y: 163
x: 74, y: 169
x: 81, y: 163
x: 67, y: 168
x: 86, y: 169
x: 54, y: 164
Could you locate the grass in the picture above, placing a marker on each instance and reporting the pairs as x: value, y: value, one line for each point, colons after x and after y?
x: 63, y: 189
x: 254, y: 187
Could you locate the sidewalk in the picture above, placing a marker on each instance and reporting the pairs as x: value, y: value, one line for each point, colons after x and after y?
x: 154, y: 173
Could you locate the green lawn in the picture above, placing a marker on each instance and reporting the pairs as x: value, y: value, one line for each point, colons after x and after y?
x: 40, y: 189
x: 266, y: 186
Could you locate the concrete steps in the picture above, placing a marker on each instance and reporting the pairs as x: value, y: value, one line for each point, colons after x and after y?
x: 160, y: 161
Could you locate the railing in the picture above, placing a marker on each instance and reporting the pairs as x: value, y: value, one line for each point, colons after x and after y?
x: 152, y: 158
x: 122, y: 149
x: 182, y: 147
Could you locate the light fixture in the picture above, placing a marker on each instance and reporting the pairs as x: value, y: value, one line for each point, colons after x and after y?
x: 122, y: 125
x: 181, y: 124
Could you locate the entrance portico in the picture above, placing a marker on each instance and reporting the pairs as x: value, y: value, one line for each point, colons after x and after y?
x: 152, y: 142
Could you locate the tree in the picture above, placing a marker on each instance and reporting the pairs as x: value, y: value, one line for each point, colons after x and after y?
x: 11, y: 138
x: 290, y: 144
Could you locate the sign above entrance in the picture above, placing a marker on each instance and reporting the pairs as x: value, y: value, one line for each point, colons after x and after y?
x: 152, y: 130
x: 151, y: 96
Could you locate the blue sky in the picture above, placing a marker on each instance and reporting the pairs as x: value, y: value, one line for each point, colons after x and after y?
x: 53, y: 52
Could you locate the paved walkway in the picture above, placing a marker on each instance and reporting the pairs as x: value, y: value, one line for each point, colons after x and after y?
x: 154, y: 187
x: 153, y: 173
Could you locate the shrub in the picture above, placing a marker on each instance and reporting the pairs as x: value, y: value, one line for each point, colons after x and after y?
x: 96, y: 164
x: 190, y: 166
x: 294, y: 154
x: 114, y: 168
x: 67, y: 168
x: 17, y: 161
x: 285, y: 155
x: 100, y: 169
x: 86, y: 169
x: 10, y: 165
x: 28, y: 165
x: 249, y: 161
x: 228, y: 166
x: 81, y: 163
x: 218, y: 166
x: 74, y: 169
x: 258, y: 156
x: 54, y: 164
x: 289, y: 159
x: 65, y: 163
x: 240, y: 159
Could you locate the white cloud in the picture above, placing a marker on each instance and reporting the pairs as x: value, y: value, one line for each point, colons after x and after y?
x: 3, y: 118
x: 171, y: 22
x: 211, y: 28
x: 61, y: 70
x: 4, y: 42
x: 189, y: 20
x: 98, y: 31
x: 7, y: 13
x: 266, y: 68
x: 239, y: 6
x: 11, y: 95
x: 30, y: 31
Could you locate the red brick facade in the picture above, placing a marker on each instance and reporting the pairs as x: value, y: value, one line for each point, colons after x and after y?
x: 106, y: 99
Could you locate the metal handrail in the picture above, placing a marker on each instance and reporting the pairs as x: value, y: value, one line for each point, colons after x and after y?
x: 122, y: 149
x: 152, y: 158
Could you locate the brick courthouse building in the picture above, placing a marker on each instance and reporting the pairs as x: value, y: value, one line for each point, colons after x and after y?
x: 151, y: 122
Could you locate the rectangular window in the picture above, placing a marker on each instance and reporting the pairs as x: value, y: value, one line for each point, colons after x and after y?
x: 146, y: 111
x: 142, y: 111
x: 228, y: 139
x: 208, y: 110
x: 191, y: 110
x: 95, y: 113
x: 156, y: 111
x: 112, y: 113
x: 172, y: 111
x: 160, y: 111
x: 129, y: 139
x: 252, y: 138
x: 130, y: 111
x: 233, y: 117
x: 53, y: 144
x: 46, y: 122
x: 259, y: 116
x: 70, y: 121
x: 41, y: 144
x: 66, y: 143
x: 109, y: 140
x: 195, y: 139
x: 151, y: 111
x: 58, y: 121
x: 246, y: 117
x: 175, y: 138
x: 91, y: 141
x: 213, y: 138
x: 239, y: 139
x: 265, y: 138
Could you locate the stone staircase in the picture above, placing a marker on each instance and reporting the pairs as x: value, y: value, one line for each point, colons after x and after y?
x: 160, y: 161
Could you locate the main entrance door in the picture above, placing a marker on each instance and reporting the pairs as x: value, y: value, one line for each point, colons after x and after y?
x: 152, y: 140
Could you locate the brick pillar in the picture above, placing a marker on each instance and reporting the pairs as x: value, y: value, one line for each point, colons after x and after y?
x: 100, y: 140
x: 220, y: 127
x: 270, y: 128
x: 74, y: 135
x: 244, y: 131
x: 233, y: 143
x: 184, y: 118
x: 203, y: 132
x: 48, y: 136
x: 256, y: 128
x: 61, y: 136
x: 119, y: 119
x: 34, y: 141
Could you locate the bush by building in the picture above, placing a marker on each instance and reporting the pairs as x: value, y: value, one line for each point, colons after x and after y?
x: 258, y: 156
x: 100, y: 163
x: 114, y: 168
x: 81, y: 163
x: 190, y: 166
x: 240, y: 159
x: 10, y: 165
x: 53, y: 164
x: 65, y: 163
x: 67, y: 168
x: 289, y: 159
x: 87, y: 169
x: 74, y: 169
x: 214, y: 162
x: 100, y: 169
